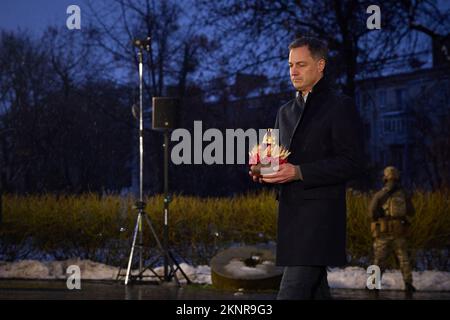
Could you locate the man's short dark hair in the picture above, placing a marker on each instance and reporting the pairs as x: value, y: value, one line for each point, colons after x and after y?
x: 318, y: 48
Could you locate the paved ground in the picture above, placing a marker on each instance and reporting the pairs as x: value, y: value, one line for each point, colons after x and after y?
x: 109, y: 290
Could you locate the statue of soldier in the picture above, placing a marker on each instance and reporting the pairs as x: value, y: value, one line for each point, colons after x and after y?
x: 391, y: 210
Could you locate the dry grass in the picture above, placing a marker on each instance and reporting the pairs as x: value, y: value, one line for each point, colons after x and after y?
x: 83, y: 224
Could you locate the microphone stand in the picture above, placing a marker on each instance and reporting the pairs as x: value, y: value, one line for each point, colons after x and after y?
x: 140, y: 204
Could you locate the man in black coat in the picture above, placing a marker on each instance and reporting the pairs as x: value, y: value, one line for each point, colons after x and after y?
x: 323, y: 132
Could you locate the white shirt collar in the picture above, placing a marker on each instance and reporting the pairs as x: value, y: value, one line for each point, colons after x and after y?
x: 305, y: 97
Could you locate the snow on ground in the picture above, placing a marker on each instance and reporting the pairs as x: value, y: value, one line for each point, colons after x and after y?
x: 356, y: 278
x: 32, y: 269
x: 239, y: 269
x: 347, y: 278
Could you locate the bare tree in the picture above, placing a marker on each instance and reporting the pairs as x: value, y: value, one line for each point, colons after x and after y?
x: 432, y: 20
x: 62, y: 126
x: 261, y: 29
x: 176, y: 54
x: 24, y: 82
x: 176, y: 48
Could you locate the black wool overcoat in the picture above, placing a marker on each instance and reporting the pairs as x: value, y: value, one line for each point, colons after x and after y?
x: 327, y: 144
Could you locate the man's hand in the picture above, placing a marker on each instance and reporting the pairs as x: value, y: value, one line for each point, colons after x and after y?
x: 285, y: 172
x: 255, y: 177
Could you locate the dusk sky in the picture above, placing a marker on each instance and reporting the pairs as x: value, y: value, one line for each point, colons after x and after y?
x: 35, y: 15
x: 38, y: 14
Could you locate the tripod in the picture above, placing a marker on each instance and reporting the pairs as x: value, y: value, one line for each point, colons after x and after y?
x: 140, y: 204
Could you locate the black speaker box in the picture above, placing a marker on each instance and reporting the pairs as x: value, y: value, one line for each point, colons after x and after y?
x: 165, y: 113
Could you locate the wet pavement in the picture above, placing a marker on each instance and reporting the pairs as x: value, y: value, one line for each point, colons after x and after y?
x: 114, y: 290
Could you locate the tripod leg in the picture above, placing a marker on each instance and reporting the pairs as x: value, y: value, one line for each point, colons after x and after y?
x: 179, y: 268
x: 165, y: 253
x: 140, y: 247
x: 132, y: 249
x: 158, y: 243
x: 149, y: 267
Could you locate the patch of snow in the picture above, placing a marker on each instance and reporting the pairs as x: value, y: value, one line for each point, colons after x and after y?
x: 237, y: 268
x: 348, y: 278
x: 356, y: 278
x: 32, y: 269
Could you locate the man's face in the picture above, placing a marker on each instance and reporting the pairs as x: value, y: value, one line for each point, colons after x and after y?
x: 305, y: 71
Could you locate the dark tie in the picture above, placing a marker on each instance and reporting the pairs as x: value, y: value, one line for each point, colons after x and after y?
x: 300, y: 104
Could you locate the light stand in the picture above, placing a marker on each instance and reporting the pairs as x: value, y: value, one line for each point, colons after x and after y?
x: 167, y: 199
x: 164, y: 119
x: 140, y: 205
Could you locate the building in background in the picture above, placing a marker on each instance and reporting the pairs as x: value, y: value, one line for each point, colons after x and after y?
x: 406, y: 119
